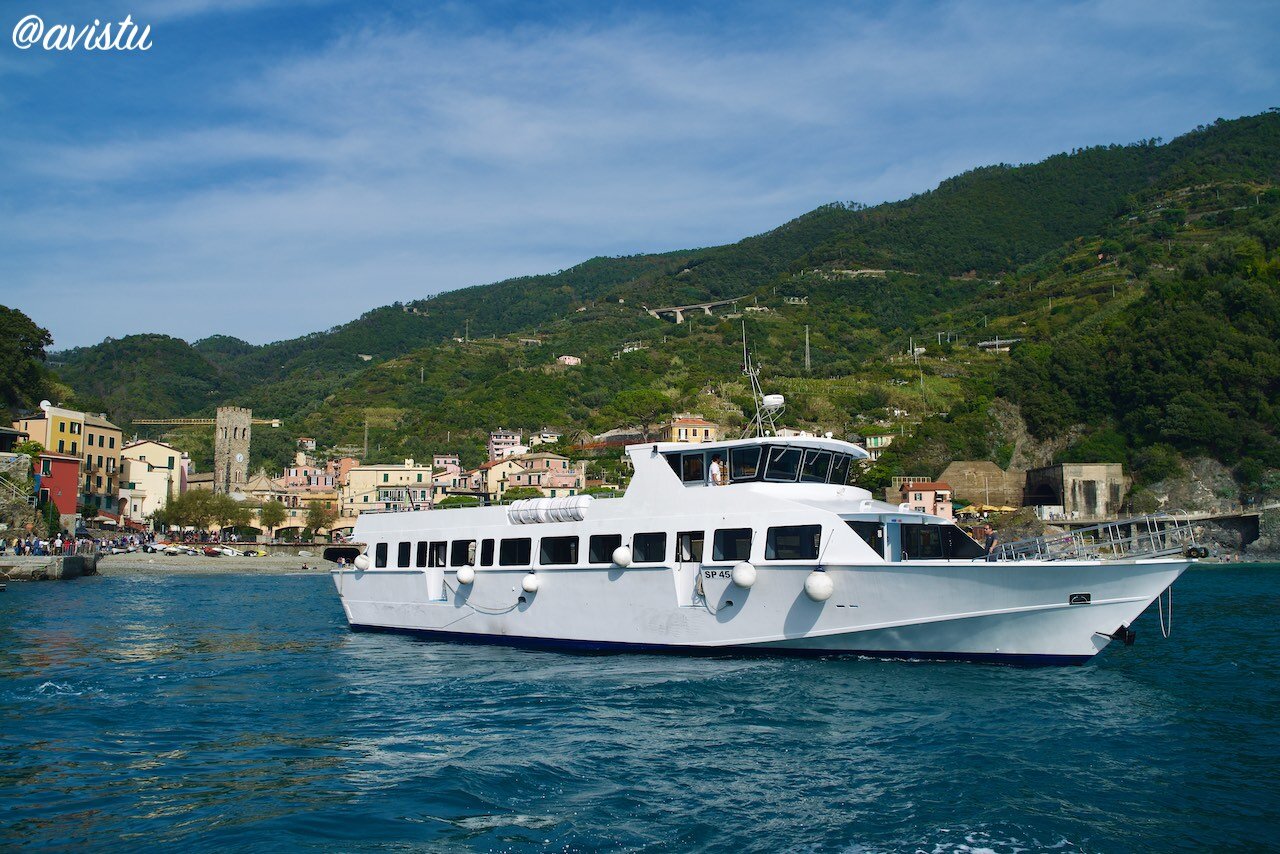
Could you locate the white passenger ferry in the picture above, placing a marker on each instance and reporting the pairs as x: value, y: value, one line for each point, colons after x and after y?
x: 787, y: 556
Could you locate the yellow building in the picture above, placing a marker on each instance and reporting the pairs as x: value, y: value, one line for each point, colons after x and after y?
x: 56, y: 429
x: 690, y: 429
x: 100, y: 481
x: 383, y: 487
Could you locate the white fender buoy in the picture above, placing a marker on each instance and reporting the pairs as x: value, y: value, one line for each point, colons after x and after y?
x: 361, y: 562
x: 529, y: 583
x: 819, y: 586
x: 466, y: 575
x: 622, y: 556
x: 744, y: 574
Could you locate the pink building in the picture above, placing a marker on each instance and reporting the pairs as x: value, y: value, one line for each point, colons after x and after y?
x: 928, y: 496
x: 569, y: 360
x: 550, y: 473
x: 503, y: 443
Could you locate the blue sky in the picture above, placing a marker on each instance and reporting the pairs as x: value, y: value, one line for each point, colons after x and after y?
x: 268, y: 169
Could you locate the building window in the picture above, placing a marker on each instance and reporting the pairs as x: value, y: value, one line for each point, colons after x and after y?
x: 46, y: 467
x: 732, y: 544
x: 602, y: 546
x: 558, y: 550
x: 649, y: 548
x: 793, y: 542
x: 385, y: 477
x: 62, y: 426
x: 111, y: 443
x: 515, y: 552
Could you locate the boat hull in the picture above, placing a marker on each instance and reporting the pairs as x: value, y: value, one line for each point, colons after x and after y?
x: 1016, y: 612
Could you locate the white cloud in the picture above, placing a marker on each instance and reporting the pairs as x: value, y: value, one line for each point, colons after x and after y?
x: 396, y: 159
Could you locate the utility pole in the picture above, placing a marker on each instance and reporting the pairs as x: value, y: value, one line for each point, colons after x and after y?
x: 366, y: 439
x: 806, y: 348
x: 466, y: 334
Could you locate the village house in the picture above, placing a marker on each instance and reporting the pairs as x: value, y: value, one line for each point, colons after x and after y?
x: 927, y: 496
x: 691, y: 429
x: 57, y: 479
x: 551, y: 474
x: 505, y: 443
x: 152, y: 473
x: 385, y: 486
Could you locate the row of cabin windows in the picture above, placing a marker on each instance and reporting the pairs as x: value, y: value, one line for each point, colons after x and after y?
x: 786, y: 542
x: 771, y: 463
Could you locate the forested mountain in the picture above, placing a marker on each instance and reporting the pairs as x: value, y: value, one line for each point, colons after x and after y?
x: 1141, y: 278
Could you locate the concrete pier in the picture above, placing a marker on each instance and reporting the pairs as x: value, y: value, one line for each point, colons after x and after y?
x: 47, y: 568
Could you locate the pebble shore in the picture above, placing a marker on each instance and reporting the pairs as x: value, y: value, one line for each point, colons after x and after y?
x: 160, y: 564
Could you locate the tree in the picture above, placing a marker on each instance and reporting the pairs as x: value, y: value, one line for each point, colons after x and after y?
x: 22, y: 373
x: 519, y: 492
x: 458, y: 501
x: 642, y: 407
x: 272, y: 515
x: 320, y: 514
x: 52, y: 519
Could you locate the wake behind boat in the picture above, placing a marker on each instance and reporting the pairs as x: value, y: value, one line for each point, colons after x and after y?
x: 783, y: 555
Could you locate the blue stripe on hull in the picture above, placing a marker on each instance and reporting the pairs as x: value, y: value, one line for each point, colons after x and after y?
x: 588, y: 646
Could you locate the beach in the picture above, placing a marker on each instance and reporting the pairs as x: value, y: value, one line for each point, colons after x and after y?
x: 140, y: 563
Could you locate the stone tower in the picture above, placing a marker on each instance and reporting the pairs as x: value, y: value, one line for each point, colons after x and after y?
x: 231, y: 448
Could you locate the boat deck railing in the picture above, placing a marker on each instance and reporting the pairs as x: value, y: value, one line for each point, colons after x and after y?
x: 1124, y: 539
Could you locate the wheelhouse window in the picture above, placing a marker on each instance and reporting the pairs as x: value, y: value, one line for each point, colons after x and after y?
x: 744, y: 463
x: 463, y: 553
x: 816, y: 467
x: 783, y: 465
x: 731, y: 544
x: 486, y: 553
x: 649, y: 548
x: 515, y: 552
x: 380, y: 555
x: 693, y: 467
x: 793, y: 542
x: 840, y: 469
x: 602, y: 546
x: 558, y: 550
x: 402, y: 555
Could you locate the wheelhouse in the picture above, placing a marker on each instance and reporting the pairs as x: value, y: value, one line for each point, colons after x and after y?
x: 768, y: 462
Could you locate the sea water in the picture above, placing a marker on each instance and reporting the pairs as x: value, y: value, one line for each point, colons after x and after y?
x: 238, y: 712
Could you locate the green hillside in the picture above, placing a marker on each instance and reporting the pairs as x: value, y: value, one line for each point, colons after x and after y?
x: 1141, y: 278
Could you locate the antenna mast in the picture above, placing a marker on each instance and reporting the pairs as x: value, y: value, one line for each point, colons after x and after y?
x: 767, y: 406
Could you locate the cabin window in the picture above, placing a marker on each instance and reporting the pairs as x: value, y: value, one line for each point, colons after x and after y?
x: 438, y: 552
x: 602, y: 547
x: 793, y: 542
x: 816, y: 467
x: 693, y: 468
x: 938, y: 541
x: 649, y: 548
x: 744, y: 463
x: 783, y: 466
x: 486, y: 553
x: 871, y: 532
x: 558, y: 550
x: 840, y: 469
x: 732, y: 544
x: 673, y: 460
x: 402, y: 555
x: 690, y: 545
x: 380, y: 555
x: 515, y: 552
x: 421, y: 562
x: 463, y: 553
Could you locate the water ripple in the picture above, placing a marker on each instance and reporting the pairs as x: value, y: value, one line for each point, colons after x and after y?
x: 238, y: 712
